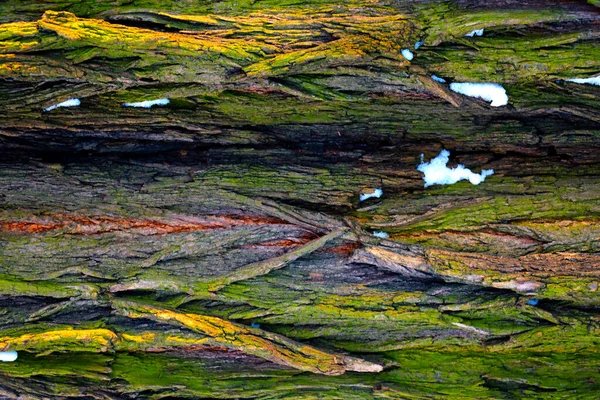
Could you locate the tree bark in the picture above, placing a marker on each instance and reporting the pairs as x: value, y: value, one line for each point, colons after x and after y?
x: 217, y: 246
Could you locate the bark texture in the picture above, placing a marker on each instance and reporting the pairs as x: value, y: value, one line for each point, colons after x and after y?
x: 216, y: 247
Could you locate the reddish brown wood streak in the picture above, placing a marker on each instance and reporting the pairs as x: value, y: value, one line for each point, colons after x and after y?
x: 344, y: 250
x: 27, y: 227
x: 102, y: 224
x: 299, y: 240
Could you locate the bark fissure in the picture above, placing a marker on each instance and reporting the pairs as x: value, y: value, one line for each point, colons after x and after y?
x: 217, y: 246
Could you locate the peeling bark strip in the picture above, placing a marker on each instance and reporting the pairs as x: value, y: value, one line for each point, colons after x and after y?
x: 222, y: 246
x: 270, y: 347
x: 253, y: 341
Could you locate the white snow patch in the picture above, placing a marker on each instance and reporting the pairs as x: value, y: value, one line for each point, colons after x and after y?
x: 8, y: 356
x: 418, y: 44
x: 148, y: 103
x: 67, y: 103
x: 438, y: 79
x: 406, y: 53
x: 476, y: 32
x: 381, y: 235
x: 376, y: 193
x: 487, y: 91
x: 586, y: 81
x: 436, y: 172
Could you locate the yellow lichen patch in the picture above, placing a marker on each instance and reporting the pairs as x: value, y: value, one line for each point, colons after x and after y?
x: 269, y: 346
x: 18, y: 36
x: 17, y: 29
x: 64, y: 24
x: 269, y: 42
x: 17, y: 68
x: 142, y: 338
x: 184, y: 341
x: 153, y: 341
x: 114, y: 40
x: 119, y: 37
x: 301, y: 37
x: 203, y: 19
x: 101, y: 340
x: 94, y: 340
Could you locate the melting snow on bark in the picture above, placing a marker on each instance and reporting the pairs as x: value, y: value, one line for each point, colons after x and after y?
x: 381, y: 235
x: 487, y: 91
x: 148, y: 103
x: 438, y: 79
x: 436, y: 172
x: 376, y: 193
x: 68, y: 103
x: 589, y: 81
x: 406, y: 53
x: 8, y: 356
x: 476, y: 32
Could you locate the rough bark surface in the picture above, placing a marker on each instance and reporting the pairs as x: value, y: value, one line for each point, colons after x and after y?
x: 216, y: 247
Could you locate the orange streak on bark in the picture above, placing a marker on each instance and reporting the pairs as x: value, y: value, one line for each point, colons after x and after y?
x: 288, y: 242
x: 345, y: 249
x: 27, y: 227
x: 94, y: 225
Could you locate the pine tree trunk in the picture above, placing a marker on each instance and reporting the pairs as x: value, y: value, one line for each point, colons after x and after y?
x: 217, y: 246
